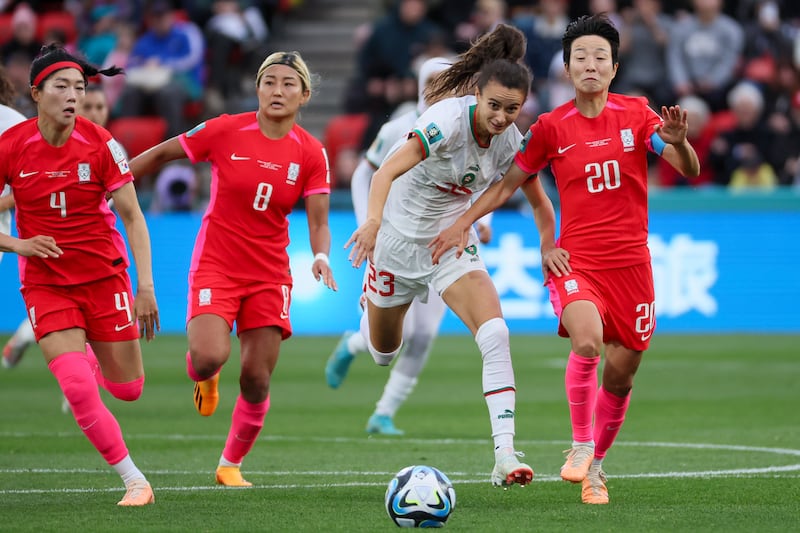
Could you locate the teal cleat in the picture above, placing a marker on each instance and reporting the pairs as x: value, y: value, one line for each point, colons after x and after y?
x: 339, y: 362
x: 382, y: 425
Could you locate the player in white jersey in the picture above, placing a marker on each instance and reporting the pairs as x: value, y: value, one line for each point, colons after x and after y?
x: 423, y: 319
x: 23, y: 337
x: 456, y: 150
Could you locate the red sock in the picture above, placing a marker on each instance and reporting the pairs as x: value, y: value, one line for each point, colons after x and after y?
x: 580, y: 382
x: 246, y: 423
x: 608, y: 417
x: 74, y: 376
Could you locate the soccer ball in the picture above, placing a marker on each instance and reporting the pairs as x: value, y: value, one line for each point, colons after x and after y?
x: 420, y: 496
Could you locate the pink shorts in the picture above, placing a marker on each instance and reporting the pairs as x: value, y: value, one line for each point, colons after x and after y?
x: 625, y: 298
x: 103, y: 308
x: 251, y: 304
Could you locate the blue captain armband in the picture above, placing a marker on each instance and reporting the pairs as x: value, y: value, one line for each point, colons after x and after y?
x: 658, y: 143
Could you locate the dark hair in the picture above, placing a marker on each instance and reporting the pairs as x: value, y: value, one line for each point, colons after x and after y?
x: 504, y: 42
x: 508, y: 74
x: 55, y: 53
x: 598, y: 25
x: 7, y: 91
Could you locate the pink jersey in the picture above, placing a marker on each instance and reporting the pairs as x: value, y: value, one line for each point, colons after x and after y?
x: 255, y: 183
x: 600, y: 167
x: 60, y: 192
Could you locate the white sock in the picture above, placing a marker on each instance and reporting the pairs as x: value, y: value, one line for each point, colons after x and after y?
x: 356, y: 344
x: 127, y: 470
x: 225, y: 462
x: 24, y: 334
x: 395, y: 393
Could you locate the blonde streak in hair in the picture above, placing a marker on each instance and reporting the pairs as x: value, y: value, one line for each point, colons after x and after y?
x: 300, y: 67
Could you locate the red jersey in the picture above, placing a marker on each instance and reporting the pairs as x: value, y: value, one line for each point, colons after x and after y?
x: 600, y: 167
x: 255, y: 183
x: 60, y: 192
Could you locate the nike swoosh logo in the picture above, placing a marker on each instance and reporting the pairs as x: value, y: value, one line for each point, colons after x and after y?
x: 23, y: 174
x: 117, y: 327
x: 235, y: 157
x: 564, y: 149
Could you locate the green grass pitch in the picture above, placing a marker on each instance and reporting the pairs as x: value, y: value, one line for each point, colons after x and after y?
x: 711, y: 443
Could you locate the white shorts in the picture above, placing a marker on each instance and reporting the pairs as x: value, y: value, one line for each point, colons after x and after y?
x: 403, y: 270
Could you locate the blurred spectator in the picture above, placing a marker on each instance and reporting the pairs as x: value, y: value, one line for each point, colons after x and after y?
x: 768, y: 43
x: 642, y: 52
x: 746, y: 145
x: 385, y: 77
x: 609, y: 8
x: 118, y: 56
x: 236, y: 40
x: 704, y: 52
x: 485, y: 16
x: 175, y: 189
x: 165, y: 68
x: 18, y: 68
x: 23, y: 42
x: 543, y: 31
x: 785, y: 149
x: 701, y: 133
x: 101, y: 38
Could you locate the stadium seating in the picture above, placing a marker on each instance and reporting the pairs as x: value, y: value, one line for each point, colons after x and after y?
x: 137, y: 134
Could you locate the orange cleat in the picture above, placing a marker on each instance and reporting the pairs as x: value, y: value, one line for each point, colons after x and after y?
x: 139, y: 493
x: 579, y: 458
x: 594, y: 489
x: 206, y: 395
x: 231, y: 476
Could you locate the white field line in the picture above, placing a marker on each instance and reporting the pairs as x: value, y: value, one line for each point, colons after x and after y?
x: 456, y: 477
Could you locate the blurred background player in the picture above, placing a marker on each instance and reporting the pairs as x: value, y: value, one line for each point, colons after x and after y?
x: 15, y: 347
x: 423, y: 319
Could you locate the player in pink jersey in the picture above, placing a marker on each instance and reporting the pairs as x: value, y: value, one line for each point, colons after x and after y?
x: 262, y: 163
x: 599, y: 272
x: 72, y: 260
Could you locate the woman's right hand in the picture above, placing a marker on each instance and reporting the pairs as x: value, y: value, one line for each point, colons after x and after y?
x: 363, y: 241
x: 555, y: 260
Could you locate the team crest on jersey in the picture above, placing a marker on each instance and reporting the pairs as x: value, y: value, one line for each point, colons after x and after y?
x: 471, y: 250
x: 469, y: 178
x: 626, y: 134
x: 292, y: 173
x: 84, y: 172
x: 195, y: 129
x: 524, y: 143
x: 204, y: 297
x: 433, y: 133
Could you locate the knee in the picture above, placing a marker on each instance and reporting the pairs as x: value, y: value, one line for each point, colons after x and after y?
x: 254, y: 387
x: 586, y: 346
x: 206, y: 360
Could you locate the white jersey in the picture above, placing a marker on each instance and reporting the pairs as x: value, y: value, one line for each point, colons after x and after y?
x: 455, y: 168
x: 389, y: 134
x: 8, y: 118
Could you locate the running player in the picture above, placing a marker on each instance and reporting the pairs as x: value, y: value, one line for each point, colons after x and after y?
x: 262, y: 163
x: 423, y: 319
x: 455, y: 150
x: 73, y: 261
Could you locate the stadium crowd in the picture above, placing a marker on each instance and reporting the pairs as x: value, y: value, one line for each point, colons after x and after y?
x: 734, y: 65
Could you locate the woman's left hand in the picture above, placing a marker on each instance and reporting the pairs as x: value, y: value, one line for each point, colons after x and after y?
x: 675, y: 126
x: 322, y: 271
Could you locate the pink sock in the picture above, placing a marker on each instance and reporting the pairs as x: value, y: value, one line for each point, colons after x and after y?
x: 128, y: 391
x: 95, y: 366
x: 74, y: 376
x: 246, y: 424
x: 580, y: 382
x: 609, y: 415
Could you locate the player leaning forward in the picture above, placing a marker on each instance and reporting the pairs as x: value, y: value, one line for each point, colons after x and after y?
x: 457, y: 148
x: 599, y: 276
x: 73, y: 261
